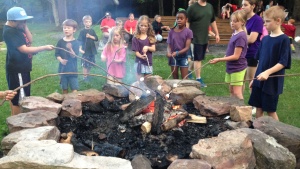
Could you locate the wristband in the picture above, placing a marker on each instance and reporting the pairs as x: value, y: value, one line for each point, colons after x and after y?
x: 177, y: 53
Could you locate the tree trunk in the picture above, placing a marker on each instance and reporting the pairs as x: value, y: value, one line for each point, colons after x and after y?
x: 296, y: 14
x: 173, y: 8
x: 55, y: 12
x: 161, y: 7
x: 62, y: 10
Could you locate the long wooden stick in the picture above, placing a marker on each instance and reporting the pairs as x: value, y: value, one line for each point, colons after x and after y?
x: 68, y: 73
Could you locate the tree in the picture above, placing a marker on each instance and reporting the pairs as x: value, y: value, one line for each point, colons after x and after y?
x: 54, y: 12
x: 161, y: 7
x: 296, y: 14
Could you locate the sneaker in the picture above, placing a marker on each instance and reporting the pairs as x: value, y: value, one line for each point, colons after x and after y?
x: 202, y: 83
x: 190, y: 76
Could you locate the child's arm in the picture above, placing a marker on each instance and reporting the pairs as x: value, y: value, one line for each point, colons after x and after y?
x: 236, y: 55
x: 61, y: 60
x: 32, y: 50
x: 149, y: 48
x: 252, y: 37
x: 103, y: 57
x: 90, y: 36
x: 139, y: 55
x: 169, y: 52
x: 80, y: 50
x: 265, y: 74
x: 69, y: 47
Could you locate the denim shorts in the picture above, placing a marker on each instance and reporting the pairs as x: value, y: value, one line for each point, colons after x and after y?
x: 144, y: 69
x: 180, y: 62
x: 71, y: 81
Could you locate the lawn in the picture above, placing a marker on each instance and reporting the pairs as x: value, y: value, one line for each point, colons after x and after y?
x: 45, y: 63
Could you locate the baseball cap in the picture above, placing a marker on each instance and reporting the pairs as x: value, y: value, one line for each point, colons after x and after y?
x: 17, y: 14
x: 107, y: 14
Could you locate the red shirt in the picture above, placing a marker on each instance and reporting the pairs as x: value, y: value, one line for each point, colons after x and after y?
x: 289, y: 30
x: 107, y: 22
x: 130, y: 24
x: 234, y: 8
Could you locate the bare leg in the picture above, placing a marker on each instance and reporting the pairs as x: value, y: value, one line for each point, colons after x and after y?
x: 250, y: 73
x: 15, y: 110
x: 174, y: 70
x: 85, y: 72
x: 259, y: 112
x: 237, y: 91
x: 273, y: 115
x: 197, y: 67
x: 184, y: 72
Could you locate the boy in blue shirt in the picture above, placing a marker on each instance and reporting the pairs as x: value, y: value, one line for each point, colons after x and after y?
x: 68, y: 60
x: 274, y: 55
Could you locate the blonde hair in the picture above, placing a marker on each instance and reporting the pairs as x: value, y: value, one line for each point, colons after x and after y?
x: 240, y: 16
x: 150, y: 31
x: 119, y: 22
x: 86, y: 17
x: 110, y: 43
x: 275, y: 12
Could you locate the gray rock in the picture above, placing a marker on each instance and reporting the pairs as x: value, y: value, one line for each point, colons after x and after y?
x: 241, y: 113
x: 90, y: 96
x: 183, y: 83
x: 184, y: 94
x: 215, y: 106
x: 32, y: 119
x: 236, y: 125
x: 141, y: 162
x: 231, y: 149
x: 32, y: 103
x: 268, y: 153
x: 71, y: 108
x: 286, y: 135
x: 115, y: 90
x: 39, y: 133
x: 48, y: 154
x: 56, y: 97
x: 189, y: 164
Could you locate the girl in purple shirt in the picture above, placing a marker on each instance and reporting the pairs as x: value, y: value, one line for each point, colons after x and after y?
x: 254, y: 27
x: 143, y: 44
x: 236, y: 62
x: 179, y: 41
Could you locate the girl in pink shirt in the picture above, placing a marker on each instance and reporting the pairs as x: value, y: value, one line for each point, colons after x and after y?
x: 114, y: 54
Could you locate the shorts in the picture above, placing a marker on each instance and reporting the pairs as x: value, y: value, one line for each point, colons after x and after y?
x: 71, y: 81
x: 236, y: 78
x: 86, y: 64
x: 143, y: 69
x: 189, y: 53
x: 180, y: 62
x: 251, y: 62
x: 13, y: 82
x: 291, y: 40
x: 199, y: 52
x: 259, y: 99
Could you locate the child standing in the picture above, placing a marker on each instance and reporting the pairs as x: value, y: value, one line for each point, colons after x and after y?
x: 18, y: 39
x: 179, y: 41
x: 290, y: 31
x: 87, y: 37
x: 236, y: 62
x: 143, y: 43
x: 114, y: 54
x: 274, y: 56
x: 68, y: 61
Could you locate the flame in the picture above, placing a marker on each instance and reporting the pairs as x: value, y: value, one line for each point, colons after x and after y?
x: 176, y: 107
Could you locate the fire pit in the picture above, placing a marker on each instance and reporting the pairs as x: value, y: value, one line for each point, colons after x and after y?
x: 102, y: 133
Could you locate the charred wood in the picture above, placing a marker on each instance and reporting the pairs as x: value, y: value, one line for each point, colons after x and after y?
x: 135, y: 108
x: 158, y: 114
x: 169, y: 124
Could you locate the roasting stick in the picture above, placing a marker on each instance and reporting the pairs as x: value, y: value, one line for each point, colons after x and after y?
x: 68, y: 73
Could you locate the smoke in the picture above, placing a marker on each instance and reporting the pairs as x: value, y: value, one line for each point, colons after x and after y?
x: 116, y: 2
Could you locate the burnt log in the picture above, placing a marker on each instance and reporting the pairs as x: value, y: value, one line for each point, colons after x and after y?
x: 173, y: 122
x: 110, y: 150
x: 158, y: 114
x: 136, y: 108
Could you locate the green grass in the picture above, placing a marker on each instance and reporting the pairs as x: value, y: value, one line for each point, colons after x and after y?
x: 45, y: 63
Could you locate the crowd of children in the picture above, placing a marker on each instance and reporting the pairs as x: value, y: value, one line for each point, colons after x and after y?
x: 244, y: 50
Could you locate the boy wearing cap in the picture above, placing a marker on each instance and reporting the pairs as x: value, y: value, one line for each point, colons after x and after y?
x: 18, y: 40
x: 106, y: 24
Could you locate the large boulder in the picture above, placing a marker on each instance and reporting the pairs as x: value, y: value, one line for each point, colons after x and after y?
x: 268, y: 153
x: 32, y: 103
x: 115, y: 90
x: 86, y: 96
x: 215, y: 106
x: 71, y: 108
x: 189, y: 164
x: 32, y: 119
x: 184, y: 94
x: 48, y: 154
x: 231, y: 149
x: 286, y: 135
x: 39, y: 133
